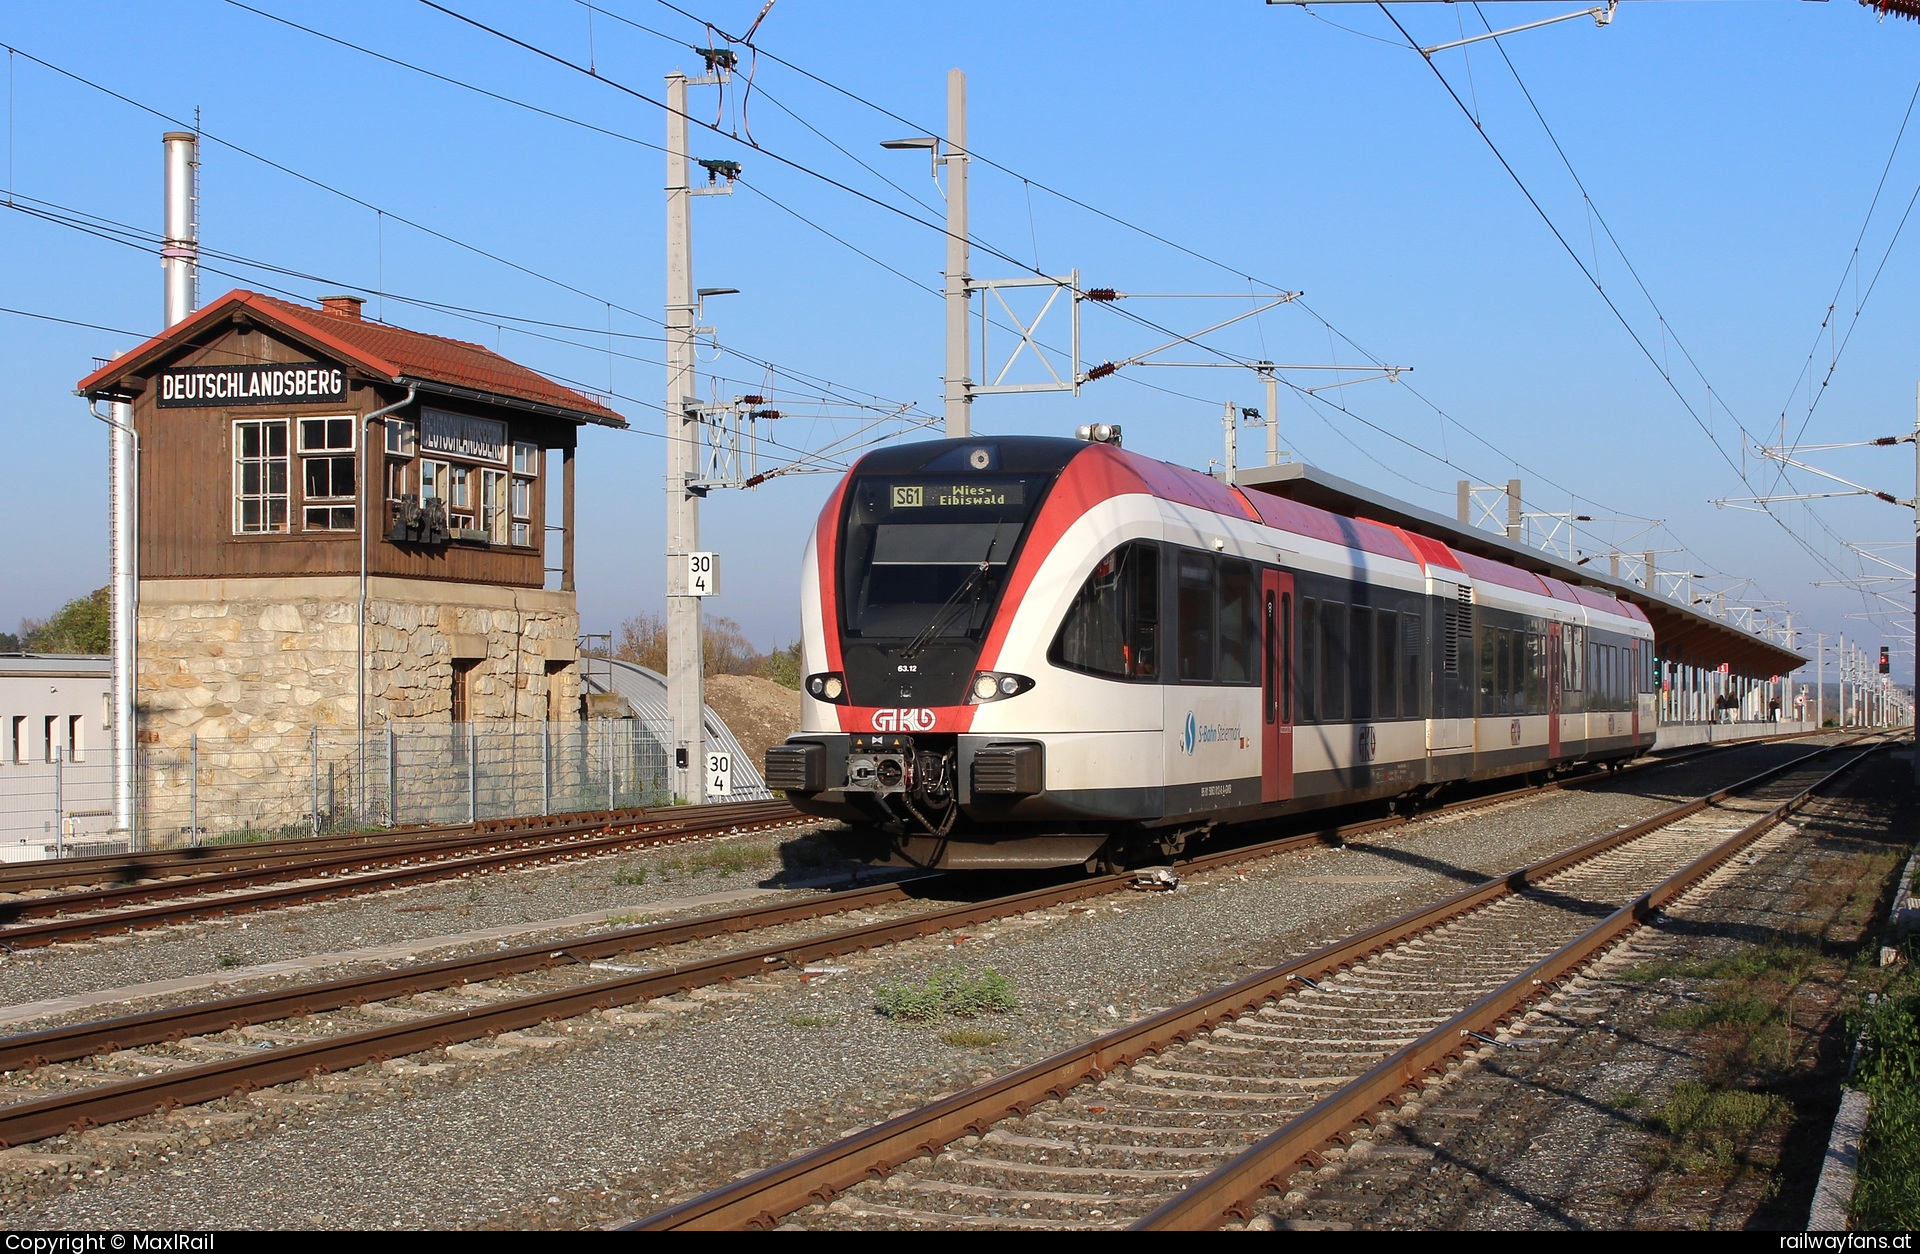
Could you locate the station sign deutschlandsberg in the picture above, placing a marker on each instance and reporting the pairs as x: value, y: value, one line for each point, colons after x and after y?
x: 279, y: 383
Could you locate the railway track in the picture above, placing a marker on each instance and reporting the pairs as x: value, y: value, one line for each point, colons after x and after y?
x: 1183, y: 1119
x: 106, y: 894
x: 318, y: 1028
x: 333, y: 872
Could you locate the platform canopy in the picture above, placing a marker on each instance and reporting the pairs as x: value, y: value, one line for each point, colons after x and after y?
x: 1680, y: 632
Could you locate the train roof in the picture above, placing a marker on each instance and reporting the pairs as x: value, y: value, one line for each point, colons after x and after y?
x: 1679, y: 630
x: 1307, y: 501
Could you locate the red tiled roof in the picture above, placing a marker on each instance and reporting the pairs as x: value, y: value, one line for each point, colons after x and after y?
x: 392, y: 352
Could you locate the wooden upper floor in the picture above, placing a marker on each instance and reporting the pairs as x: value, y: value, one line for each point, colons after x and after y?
x: 279, y: 440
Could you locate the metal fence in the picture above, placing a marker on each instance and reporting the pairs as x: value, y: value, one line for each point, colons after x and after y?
x: 50, y: 809
x: 314, y: 781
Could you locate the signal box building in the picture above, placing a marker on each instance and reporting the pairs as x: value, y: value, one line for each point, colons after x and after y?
x: 343, y: 523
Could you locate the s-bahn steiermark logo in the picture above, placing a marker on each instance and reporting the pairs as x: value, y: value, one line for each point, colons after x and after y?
x: 920, y: 720
x: 1195, y: 735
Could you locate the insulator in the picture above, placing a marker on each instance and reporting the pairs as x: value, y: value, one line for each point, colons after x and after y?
x: 766, y: 413
x: 1101, y: 371
x: 1101, y: 294
x: 753, y: 400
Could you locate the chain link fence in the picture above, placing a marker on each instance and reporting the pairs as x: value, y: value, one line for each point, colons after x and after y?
x: 327, y: 781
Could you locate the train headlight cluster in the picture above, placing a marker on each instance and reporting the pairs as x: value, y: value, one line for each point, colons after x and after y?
x: 996, y: 686
x: 828, y: 686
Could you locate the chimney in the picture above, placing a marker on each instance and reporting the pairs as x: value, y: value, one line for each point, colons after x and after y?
x: 343, y: 306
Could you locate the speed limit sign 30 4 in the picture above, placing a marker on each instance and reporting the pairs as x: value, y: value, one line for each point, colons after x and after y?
x: 703, y: 574
x: 719, y: 774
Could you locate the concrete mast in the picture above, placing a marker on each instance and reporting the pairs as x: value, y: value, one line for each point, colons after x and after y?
x: 958, y: 401
x: 686, y: 688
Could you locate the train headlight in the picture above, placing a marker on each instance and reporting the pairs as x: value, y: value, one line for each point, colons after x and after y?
x: 827, y: 686
x: 996, y: 686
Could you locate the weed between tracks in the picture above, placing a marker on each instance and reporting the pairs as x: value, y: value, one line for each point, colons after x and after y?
x: 1762, y: 1023
x: 946, y: 993
x: 1887, y: 1197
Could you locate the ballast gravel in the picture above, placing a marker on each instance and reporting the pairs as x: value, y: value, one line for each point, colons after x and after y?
x: 612, y: 1117
x: 516, y: 896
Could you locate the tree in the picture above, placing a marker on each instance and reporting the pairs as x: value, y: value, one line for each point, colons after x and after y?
x: 724, y: 646
x: 783, y: 666
x: 82, y: 625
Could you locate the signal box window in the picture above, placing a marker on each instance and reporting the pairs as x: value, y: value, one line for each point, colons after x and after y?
x: 260, y: 476
x: 327, y: 473
x: 1113, y: 626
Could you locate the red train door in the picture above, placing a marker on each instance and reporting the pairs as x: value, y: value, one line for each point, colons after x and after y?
x: 1276, y: 688
x: 1554, y: 682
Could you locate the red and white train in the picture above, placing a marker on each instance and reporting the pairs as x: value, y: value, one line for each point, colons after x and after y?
x: 1027, y: 651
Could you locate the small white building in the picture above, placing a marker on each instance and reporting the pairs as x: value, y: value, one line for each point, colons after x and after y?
x: 55, y: 751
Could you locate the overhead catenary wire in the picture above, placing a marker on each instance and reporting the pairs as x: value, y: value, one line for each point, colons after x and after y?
x: 1533, y: 473
x: 386, y: 213
x: 127, y: 237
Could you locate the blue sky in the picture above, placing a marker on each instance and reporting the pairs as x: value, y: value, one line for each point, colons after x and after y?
x: 1732, y: 150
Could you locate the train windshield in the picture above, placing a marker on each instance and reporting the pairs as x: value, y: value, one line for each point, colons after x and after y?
x: 924, y: 557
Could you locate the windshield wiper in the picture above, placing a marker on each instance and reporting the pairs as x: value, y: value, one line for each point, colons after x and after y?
x: 944, y: 615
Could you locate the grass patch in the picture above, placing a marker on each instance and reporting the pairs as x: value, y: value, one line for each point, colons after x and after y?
x: 946, y: 993
x: 730, y: 858
x: 972, y: 1038
x: 229, y: 959
x: 809, y: 1021
x: 1626, y: 1101
x: 1709, y: 1127
x: 1887, y: 1196
x: 624, y: 920
x: 630, y: 876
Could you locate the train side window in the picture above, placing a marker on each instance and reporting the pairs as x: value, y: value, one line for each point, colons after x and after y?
x: 1386, y: 668
x: 1536, y: 673
x: 1333, y: 662
x: 1112, y: 626
x: 1286, y: 661
x: 1196, y: 616
x: 1239, y: 622
x: 1503, y: 671
x: 1269, y: 660
x: 1309, y: 660
x: 1413, y: 686
x: 1360, y: 662
x: 1487, y: 675
x: 1143, y: 622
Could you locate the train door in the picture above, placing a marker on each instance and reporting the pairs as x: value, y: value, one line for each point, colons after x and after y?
x: 1553, y: 692
x: 1633, y: 687
x: 1276, y: 687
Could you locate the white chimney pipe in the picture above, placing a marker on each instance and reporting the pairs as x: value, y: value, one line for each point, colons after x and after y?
x: 180, y: 247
